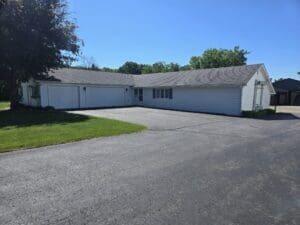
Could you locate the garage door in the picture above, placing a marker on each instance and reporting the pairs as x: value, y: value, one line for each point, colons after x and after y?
x: 104, y: 97
x: 63, y: 97
x: 212, y: 100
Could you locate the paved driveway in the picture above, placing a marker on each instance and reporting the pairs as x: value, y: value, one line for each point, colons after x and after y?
x: 288, y: 109
x: 187, y: 168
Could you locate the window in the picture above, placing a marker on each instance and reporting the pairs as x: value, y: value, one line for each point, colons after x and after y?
x: 141, y: 94
x: 162, y: 93
x: 157, y: 93
x: 35, y: 91
x: 170, y: 93
x: 167, y: 93
x: 136, y: 93
x: 153, y: 93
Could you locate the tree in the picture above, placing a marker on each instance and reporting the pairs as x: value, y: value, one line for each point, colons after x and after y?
x: 86, y: 62
x: 3, y: 91
x: 35, y: 37
x: 195, y: 62
x: 106, y: 69
x: 214, y: 58
x: 172, y: 67
x: 159, y: 67
x: 2, y: 2
x: 147, y: 69
x: 130, y: 68
x: 185, y: 67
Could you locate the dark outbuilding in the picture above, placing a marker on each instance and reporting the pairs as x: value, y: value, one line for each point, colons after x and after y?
x: 287, y: 92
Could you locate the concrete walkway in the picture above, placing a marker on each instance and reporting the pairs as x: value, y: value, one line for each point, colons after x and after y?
x: 289, y: 109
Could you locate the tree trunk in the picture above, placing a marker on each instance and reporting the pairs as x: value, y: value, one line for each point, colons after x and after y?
x: 13, y: 92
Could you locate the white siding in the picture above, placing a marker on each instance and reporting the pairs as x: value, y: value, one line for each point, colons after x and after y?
x: 72, y: 96
x: 26, y: 97
x: 211, y: 100
x: 248, y: 93
x: 266, y: 98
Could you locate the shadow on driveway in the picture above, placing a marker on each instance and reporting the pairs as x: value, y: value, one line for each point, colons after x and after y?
x: 280, y: 116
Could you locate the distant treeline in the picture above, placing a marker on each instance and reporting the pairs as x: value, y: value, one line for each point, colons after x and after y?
x: 211, y: 58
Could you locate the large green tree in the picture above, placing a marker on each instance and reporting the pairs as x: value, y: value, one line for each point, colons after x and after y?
x: 35, y: 37
x: 214, y: 58
x: 195, y: 62
x: 130, y: 68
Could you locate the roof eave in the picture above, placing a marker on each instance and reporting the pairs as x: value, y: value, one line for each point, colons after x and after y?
x: 74, y: 83
x: 266, y: 74
x: 191, y: 86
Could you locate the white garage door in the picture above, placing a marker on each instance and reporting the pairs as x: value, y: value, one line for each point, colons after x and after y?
x: 63, y: 97
x: 212, y: 100
x: 104, y: 97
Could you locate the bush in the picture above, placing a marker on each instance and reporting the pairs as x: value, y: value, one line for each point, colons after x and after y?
x: 270, y: 111
x: 4, y: 96
x: 260, y: 113
x: 49, y: 108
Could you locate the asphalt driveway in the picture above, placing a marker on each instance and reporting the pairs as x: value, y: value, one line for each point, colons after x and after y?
x: 188, y: 168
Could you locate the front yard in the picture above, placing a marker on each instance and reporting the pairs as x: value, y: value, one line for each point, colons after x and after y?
x: 35, y: 128
x: 4, y: 105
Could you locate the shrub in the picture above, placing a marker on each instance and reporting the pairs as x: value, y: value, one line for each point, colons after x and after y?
x: 4, y: 96
x: 49, y: 108
x: 260, y: 113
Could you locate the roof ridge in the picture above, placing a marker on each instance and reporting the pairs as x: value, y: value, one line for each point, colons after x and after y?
x: 180, y: 71
x: 186, y: 71
x: 88, y: 70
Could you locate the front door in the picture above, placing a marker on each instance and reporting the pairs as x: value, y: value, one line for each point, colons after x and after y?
x: 140, y: 94
x: 258, y: 96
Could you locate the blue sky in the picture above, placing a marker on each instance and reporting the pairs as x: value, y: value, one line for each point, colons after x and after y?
x: 115, y: 31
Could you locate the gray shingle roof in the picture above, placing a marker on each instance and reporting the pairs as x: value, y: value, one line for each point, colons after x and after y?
x: 226, y: 76
x: 79, y: 76
x: 287, y: 85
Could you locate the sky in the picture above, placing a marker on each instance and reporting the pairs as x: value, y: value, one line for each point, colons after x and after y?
x: 147, y: 31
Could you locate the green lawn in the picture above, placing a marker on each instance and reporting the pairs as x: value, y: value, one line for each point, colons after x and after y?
x: 4, y: 105
x: 34, y: 128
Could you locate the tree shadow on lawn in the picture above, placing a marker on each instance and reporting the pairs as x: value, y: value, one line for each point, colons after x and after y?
x: 30, y: 117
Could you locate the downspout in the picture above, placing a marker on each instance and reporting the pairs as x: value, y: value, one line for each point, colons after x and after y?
x: 241, y: 98
x: 254, y: 96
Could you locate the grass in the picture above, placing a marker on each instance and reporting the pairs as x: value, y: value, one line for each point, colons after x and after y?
x: 34, y: 128
x: 4, y: 105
